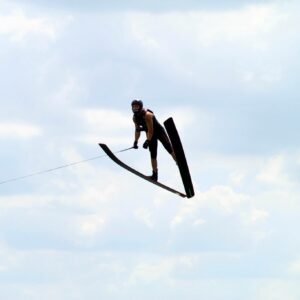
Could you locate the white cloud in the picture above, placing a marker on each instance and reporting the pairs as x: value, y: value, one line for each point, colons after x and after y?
x: 182, y: 215
x: 8, y: 259
x: 17, y: 26
x: 222, y: 199
x: 185, y: 116
x: 178, y: 42
x: 252, y: 26
x: 199, y: 222
x: 70, y: 90
x: 222, y: 203
x: 111, y: 119
x: 10, y: 130
x: 294, y: 267
x: 273, y: 172
x: 161, y: 269
x: 107, y: 126
x: 237, y: 178
x: 91, y: 225
x: 257, y: 215
x: 146, y: 272
x: 227, y: 200
x: 267, y: 75
x: 145, y: 216
x: 277, y: 289
x: 23, y: 202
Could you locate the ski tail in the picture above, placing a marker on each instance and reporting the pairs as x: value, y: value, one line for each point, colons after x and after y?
x: 180, y: 157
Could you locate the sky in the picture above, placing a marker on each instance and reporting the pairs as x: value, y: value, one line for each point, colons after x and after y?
x: 227, y: 72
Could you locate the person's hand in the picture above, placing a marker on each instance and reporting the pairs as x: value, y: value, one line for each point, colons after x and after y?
x: 146, y: 144
x: 135, y: 145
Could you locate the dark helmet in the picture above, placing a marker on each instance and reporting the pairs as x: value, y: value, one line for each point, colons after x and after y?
x: 139, y: 103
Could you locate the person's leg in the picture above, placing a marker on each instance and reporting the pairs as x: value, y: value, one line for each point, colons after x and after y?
x: 164, y: 139
x: 154, y: 164
x: 153, y: 153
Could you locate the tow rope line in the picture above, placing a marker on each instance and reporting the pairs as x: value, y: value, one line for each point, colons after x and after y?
x: 57, y: 168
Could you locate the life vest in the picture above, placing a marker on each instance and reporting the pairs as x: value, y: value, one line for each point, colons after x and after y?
x: 139, y: 119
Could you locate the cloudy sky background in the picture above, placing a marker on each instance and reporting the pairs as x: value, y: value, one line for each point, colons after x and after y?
x: 228, y: 72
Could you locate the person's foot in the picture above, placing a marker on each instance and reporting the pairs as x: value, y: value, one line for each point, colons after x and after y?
x: 154, y: 176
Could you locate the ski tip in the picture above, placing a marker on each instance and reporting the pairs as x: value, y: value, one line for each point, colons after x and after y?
x: 168, y: 120
x: 104, y: 148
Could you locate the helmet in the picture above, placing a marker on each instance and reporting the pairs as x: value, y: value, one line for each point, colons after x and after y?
x: 139, y: 103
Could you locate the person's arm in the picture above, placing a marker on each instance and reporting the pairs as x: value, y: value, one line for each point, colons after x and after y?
x: 137, y: 134
x: 149, y: 123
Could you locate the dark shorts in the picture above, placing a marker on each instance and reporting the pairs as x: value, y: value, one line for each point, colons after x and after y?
x: 164, y: 139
